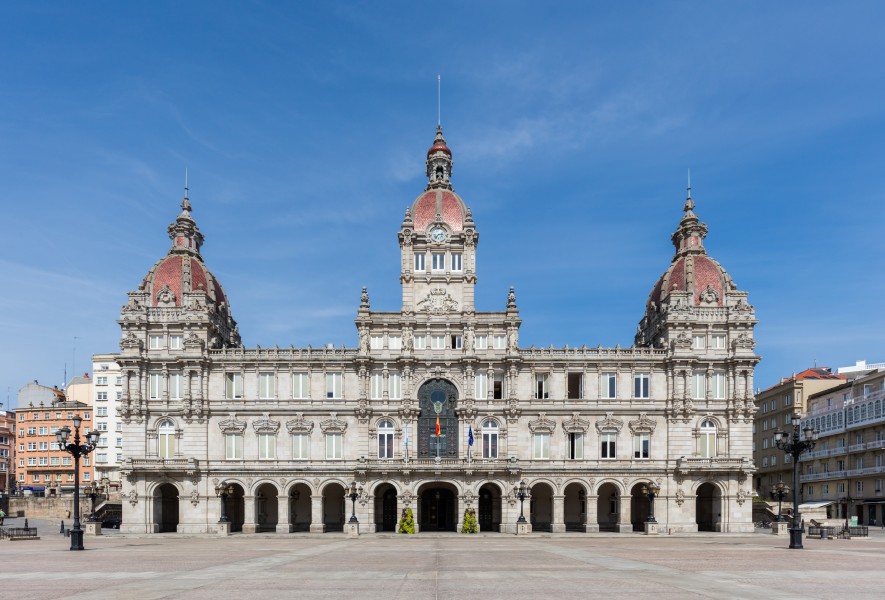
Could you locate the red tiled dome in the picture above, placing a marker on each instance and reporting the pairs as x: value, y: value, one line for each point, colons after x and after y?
x: 169, y: 276
x: 439, y: 145
x: 443, y: 202
x: 694, y: 273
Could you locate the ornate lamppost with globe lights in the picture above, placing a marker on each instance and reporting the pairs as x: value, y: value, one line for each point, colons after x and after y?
x: 651, y: 489
x: 778, y: 492
x: 355, y: 492
x: 94, y: 491
x: 224, y: 491
x: 522, y: 492
x: 795, y: 443
x: 76, y: 449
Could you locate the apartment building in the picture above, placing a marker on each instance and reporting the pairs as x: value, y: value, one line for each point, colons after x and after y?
x: 775, y: 408
x: 107, y: 393
x: 846, y: 470
x: 7, y: 451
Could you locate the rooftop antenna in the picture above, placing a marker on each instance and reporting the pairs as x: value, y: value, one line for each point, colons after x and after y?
x: 438, y: 100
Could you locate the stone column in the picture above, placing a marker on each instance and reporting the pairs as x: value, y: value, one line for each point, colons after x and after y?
x: 591, y: 520
x: 624, y: 524
x: 249, y: 525
x: 316, y: 515
x: 558, y: 524
x: 283, y: 525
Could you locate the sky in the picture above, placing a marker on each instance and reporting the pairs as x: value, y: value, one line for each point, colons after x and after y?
x: 304, y: 127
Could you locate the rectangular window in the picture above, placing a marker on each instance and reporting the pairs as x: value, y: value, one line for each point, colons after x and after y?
x: 376, y: 342
x: 155, y: 381
x: 641, y: 445
x: 54, y: 461
x: 156, y: 342
x: 300, y: 446
x: 699, y: 386
x: 498, y: 387
x: 333, y: 385
x: 456, y: 262
x: 456, y: 342
x: 299, y: 386
x: 101, y: 381
x: 176, y: 386
x: 44, y: 431
x: 267, y: 446
x: 640, y: 385
x: 541, y: 446
x: 718, y: 383
x: 437, y: 342
x: 859, y: 487
x: 394, y: 383
x: 499, y: 342
x: 576, y: 446
x: 101, y: 396
x: 438, y: 261
x: 718, y: 341
x: 608, y: 385
x: 233, y: 388
x: 395, y: 342
x: 32, y: 461
x: 419, y: 262
x: 607, y: 445
x: 482, y: 342
x: 541, y: 386
x: 266, y: 387
x: 176, y: 342
x: 334, y: 446
x: 788, y: 400
x: 44, y: 445
x: 119, y: 381
x: 482, y: 386
x: 575, y: 384
x: 698, y: 342
x: 420, y: 342
x: 375, y: 389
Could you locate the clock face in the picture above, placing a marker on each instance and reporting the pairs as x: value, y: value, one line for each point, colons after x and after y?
x: 438, y: 234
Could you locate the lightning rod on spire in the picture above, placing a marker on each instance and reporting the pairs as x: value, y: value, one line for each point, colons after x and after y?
x: 689, y: 182
x: 185, y: 183
x: 438, y: 100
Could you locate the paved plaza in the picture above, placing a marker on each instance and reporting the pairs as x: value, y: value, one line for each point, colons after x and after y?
x: 440, y: 566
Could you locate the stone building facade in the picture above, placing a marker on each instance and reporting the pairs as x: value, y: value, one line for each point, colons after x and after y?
x: 288, y: 429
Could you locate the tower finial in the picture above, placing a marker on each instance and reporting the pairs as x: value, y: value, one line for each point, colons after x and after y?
x: 689, y: 183
x: 185, y: 182
x: 438, y: 100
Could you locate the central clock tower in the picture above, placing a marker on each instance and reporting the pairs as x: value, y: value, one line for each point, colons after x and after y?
x: 438, y: 243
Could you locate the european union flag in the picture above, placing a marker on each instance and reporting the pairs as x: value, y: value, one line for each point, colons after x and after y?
x: 470, y: 435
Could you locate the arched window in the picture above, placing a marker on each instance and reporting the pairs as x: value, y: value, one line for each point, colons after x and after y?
x: 708, y: 439
x: 385, y: 439
x: 166, y: 437
x: 489, y: 439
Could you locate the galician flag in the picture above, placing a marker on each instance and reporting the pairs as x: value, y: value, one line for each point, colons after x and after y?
x: 470, y: 435
x: 437, y: 425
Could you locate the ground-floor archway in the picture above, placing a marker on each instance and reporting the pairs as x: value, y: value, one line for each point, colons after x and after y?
x: 334, y: 509
x: 575, y: 507
x: 385, y: 508
x: 299, y: 508
x: 639, y: 507
x: 708, y: 511
x: 608, y: 507
x: 266, y: 508
x: 166, y: 508
x: 489, y: 516
x: 438, y: 506
x: 236, y: 507
x: 541, y: 507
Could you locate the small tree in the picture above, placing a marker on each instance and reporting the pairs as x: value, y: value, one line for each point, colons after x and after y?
x: 406, y: 522
x: 470, y: 525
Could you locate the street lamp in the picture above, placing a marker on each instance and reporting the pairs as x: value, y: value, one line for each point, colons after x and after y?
x: 521, y: 491
x: 76, y: 449
x: 93, y: 491
x: 224, y: 491
x: 778, y: 492
x: 651, y: 490
x: 355, y: 492
x: 795, y: 444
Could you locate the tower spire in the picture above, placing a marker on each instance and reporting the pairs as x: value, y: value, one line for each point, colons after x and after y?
x: 438, y: 100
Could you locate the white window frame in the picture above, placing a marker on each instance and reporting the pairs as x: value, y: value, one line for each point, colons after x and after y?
x: 641, y: 445
x: 267, y: 446
x: 301, y: 446
x: 575, y: 441
x: 334, y: 446
x: 457, y: 264
x: 698, y: 341
x: 420, y: 262
x: 155, y: 385
x: 482, y: 342
x: 542, y: 386
x: 718, y: 383
x: 155, y: 342
x: 608, y: 385
x: 267, y: 385
x: 376, y: 342
x: 437, y: 262
x: 394, y: 385
x: 490, y: 438
x: 334, y: 386
x: 707, y: 439
x: 376, y: 386
x: 420, y: 342
x: 481, y: 385
x: 176, y: 342
x: 608, y: 445
x: 437, y: 342
x: 641, y: 385
x: 176, y: 386
x: 166, y: 439
x: 233, y: 446
x: 541, y: 446
x: 394, y: 342
x: 698, y: 385
x: 300, y: 385
x: 385, y: 439
x: 717, y: 341
x: 499, y: 342
x: 233, y: 386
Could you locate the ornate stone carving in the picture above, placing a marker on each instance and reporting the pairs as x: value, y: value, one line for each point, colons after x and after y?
x: 542, y: 424
x: 680, y: 497
x: 642, y: 424
x: 333, y: 424
x: 133, y: 497
x: 232, y: 424
x: 744, y: 342
x: 195, y: 497
x: 709, y: 295
x: 609, y: 423
x: 265, y: 424
x: 166, y: 297
x: 438, y: 302
x: 741, y: 497
x: 575, y: 424
x: 682, y: 342
x: 299, y: 425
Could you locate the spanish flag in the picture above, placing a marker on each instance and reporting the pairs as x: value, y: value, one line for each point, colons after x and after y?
x: 437, y: 425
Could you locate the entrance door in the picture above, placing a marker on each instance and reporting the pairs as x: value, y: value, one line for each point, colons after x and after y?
x: 388, y: 510
x: 167, y: 502
x: 437, y: 510
x: 485, y: 511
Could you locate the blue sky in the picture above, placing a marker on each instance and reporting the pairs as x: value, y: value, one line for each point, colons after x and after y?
x: 304, y: 128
